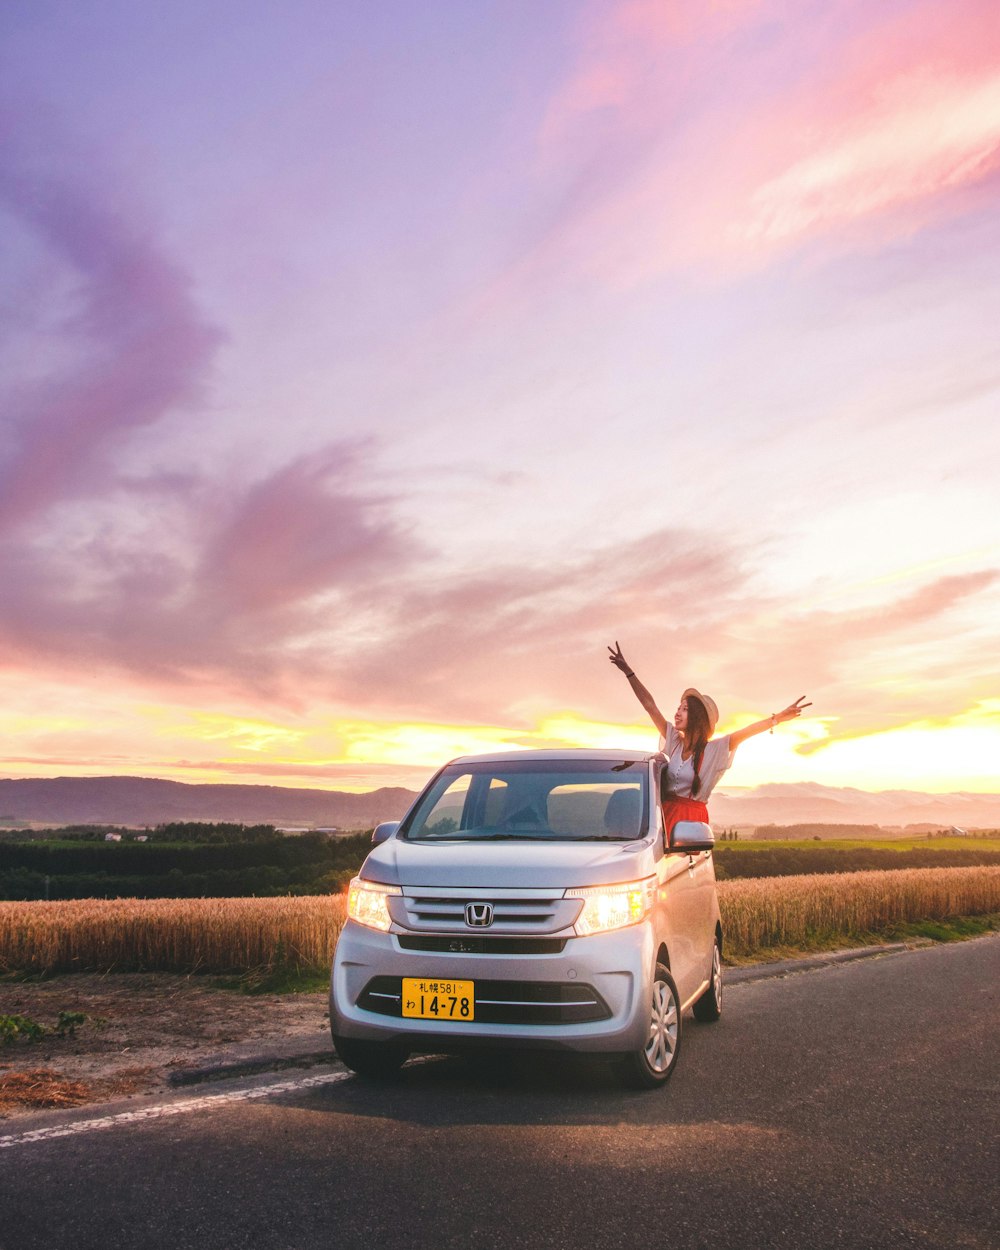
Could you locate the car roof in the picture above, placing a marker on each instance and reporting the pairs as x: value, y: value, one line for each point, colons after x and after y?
x: 611, y: 754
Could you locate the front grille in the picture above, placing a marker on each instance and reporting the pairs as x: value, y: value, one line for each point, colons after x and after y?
x: 504, y: 1002
x: 514, y: 911
x: 467, y: 945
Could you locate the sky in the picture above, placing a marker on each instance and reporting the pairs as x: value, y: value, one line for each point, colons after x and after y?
x: 365, y: 370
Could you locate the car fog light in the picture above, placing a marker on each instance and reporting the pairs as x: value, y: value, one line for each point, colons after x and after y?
x: 367, y: 903
x: 607, y: 907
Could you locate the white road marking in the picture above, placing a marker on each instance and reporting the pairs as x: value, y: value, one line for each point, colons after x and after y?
x: 169, y: 1108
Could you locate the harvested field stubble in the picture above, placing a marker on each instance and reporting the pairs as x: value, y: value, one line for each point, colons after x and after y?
x: 40, y: 1087
x: 799, y: 911
x: 237, y: 934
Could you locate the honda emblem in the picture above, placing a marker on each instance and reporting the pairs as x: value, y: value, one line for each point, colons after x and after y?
x: 478, y: 915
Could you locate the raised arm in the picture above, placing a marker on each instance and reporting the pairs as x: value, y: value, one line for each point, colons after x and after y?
x: 776, y: 718
x: 639, y: 690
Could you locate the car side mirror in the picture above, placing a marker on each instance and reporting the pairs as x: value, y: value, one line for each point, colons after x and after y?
x: 384, y: 831
x: 691, y: 836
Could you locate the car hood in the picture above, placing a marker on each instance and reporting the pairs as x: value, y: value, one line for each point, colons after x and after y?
x: 507, y: 865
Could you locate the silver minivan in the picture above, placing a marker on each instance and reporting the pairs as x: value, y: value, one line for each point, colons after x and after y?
x: 528, y: 900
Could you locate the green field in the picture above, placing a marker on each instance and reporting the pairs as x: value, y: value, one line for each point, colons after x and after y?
x: 779, y: 858
x: 919, y: 842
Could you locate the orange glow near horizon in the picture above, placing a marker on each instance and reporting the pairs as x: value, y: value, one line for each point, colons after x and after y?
x: 358, y: 755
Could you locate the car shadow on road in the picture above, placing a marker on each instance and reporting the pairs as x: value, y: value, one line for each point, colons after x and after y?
x: 526, y: 1087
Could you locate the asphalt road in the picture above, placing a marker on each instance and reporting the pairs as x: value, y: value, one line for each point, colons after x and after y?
x: 853, y: 1106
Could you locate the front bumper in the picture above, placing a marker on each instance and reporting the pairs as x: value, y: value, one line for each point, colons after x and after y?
x: 616, y: 966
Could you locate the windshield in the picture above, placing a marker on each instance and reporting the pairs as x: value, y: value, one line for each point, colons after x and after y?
x: 534, y: 800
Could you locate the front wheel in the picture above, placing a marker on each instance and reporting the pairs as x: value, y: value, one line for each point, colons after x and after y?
x: 375, y: 1059
x: 653, y: 1063
x: 709, y: 1006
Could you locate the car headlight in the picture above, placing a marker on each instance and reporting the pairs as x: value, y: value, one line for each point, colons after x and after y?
x: 607, y: 907
x: 367, y: 903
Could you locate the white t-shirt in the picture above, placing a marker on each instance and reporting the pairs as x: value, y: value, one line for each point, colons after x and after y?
x: 680, y: 772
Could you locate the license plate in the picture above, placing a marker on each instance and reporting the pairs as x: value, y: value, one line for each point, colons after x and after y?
x: 436, y: 999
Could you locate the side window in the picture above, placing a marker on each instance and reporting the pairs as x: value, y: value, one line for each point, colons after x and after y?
x: 446, y: 815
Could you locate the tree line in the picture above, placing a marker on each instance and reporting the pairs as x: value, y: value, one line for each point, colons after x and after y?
x: 182, y: 861
x: 733, y: 861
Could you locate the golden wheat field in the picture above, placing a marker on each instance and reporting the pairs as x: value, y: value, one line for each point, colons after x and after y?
x: 170, y: 935
x: 235, y: 934
x: 762, y: 912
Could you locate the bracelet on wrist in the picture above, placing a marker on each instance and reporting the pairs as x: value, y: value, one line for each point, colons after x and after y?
x: 630, y: 673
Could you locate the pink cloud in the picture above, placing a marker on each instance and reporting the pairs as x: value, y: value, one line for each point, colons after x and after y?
x: 632, y: 58
x: 913, y: 114
x: 304, y: 529
x: 903, y: 114
x: 516, y: 641
x: 516, y: 644
x: 714, y: 137
x: 216, y: 583
x: 865, y: 667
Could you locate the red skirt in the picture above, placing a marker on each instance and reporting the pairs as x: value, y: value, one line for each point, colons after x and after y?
x: 681, y: 809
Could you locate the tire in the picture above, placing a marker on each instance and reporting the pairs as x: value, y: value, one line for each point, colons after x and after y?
x: 374, y: 1059
x: 708, y: 1008
x: 653, y: 1063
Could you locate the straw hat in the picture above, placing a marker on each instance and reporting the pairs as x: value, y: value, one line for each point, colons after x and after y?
x: 708, y: 703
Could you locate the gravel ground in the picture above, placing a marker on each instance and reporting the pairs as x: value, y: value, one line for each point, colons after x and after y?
x: 141, y: 1032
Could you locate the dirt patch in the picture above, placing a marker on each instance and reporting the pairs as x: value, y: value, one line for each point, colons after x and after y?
x: 41, y: 1088
x: 136, y: 1030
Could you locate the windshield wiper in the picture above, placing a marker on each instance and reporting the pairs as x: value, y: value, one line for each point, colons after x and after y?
x: 467, y: 835
x: 552, y: 837
x: 606, y: 837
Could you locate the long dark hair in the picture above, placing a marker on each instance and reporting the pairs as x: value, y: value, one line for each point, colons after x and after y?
x: 696, y: 736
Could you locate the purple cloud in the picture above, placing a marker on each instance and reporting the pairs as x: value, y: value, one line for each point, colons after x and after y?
x: 302, y: 530
x: 168, y: 575
x: 218, y: 583
x: 140, y: 348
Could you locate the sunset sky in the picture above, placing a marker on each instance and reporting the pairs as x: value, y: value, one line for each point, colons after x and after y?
x: 366, y: 369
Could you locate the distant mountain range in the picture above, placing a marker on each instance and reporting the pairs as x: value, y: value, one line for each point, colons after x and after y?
x: 150, y: 801
x: 810, y: 803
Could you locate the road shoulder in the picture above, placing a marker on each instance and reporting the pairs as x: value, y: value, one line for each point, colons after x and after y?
x: 154, y: 1034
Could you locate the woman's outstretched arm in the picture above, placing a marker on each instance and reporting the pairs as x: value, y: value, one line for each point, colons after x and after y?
x: 639, y: 690
x: 776, y: 718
